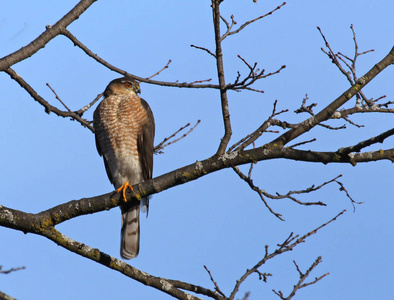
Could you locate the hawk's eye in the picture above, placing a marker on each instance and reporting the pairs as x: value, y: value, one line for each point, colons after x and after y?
x: 128, y: 84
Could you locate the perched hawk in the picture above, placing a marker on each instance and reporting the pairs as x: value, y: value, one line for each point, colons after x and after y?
x: 124, y: 130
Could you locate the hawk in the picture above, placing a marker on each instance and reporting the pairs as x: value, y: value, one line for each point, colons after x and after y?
x: 124, y: 132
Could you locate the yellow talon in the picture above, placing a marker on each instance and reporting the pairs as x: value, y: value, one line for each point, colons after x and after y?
x: 123, y: 189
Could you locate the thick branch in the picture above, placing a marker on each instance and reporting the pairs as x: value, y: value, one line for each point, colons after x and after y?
x: 36, y: 223
x: 195, y: 289
x: 4, y: 296
x: 96, y: 255
x: 50, y: 33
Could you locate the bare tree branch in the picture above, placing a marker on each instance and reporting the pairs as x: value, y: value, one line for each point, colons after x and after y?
x: 262, y: 193
x: 44, y: 223
x: 303, y: 277
x: 328, y: 111
x: 88, y: 106
x: 373, y: 140
x: 204, y: 49
x: 98, y: 256
x: 4, y: 296
x: 10, y: 270
x: 217, y: 289
x: 161, y: 70
x: 342, y: 188
x: 351, y: 74
x: 165, y: 142
x: 77, y: 43
x: 258, y: 191
x: 229, y: 32
x: 58, y: 98
x: 288, y: 245
x: 222, y: 82
x: 48, y: 108
x: 50, y: 33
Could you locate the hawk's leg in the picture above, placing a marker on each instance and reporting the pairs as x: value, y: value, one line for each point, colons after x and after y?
x: 123, y: 189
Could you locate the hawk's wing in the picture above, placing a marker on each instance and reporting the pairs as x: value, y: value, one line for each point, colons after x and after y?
x: 145, y: 143
x: 145, y: 148
x: 97, y: 132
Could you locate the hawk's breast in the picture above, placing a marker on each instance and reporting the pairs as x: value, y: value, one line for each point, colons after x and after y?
x: 118, y: 124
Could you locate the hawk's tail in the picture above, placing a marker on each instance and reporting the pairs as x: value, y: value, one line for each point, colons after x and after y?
x: 130, y: 240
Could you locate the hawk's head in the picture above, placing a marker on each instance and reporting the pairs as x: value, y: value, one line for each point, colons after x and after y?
x: 124, y: 85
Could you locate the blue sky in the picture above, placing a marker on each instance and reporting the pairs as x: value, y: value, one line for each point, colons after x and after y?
x: 217, y: 220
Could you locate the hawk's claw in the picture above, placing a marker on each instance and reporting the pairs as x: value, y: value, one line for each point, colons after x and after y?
x: 123, y: 189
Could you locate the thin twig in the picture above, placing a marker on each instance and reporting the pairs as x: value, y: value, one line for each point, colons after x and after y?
x: 251, y: 138
x: 288, y: 245
x: 342, y: 188
x: 302, y: 143
x: 90, y: 53
x: 81, y: 111
x: 214, y: 282
x: 164, y: 143
x: 10, y: 270
x: 251, y: 21
x: 258, y: 191
x: 58, y: 98
x: 204, y: 49
x: 350, y: 63
x: 48, y: 108
x: 201, y: 81
x: 303, y: 277
x: 161, y: 70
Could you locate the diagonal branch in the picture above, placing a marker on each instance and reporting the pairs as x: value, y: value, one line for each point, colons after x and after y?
x: 4, y: 296
x: 303, y: 277
x: 43, y: 224
x: 329, y: 110
x: 161, y: 70
x: 229, y: 32
x: 217, y: 289
x: 258, y: 191
x: 204, y: 49
x: 350, y: 63
x: 263, y: 128
x: 113, y: 263
x: 58, y: 98
x: 43, y: 39
x: 288, y: 245
x: 48, y: 108
x: 373, y: 140
x: 166, y: 142
x: 81, y: 111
